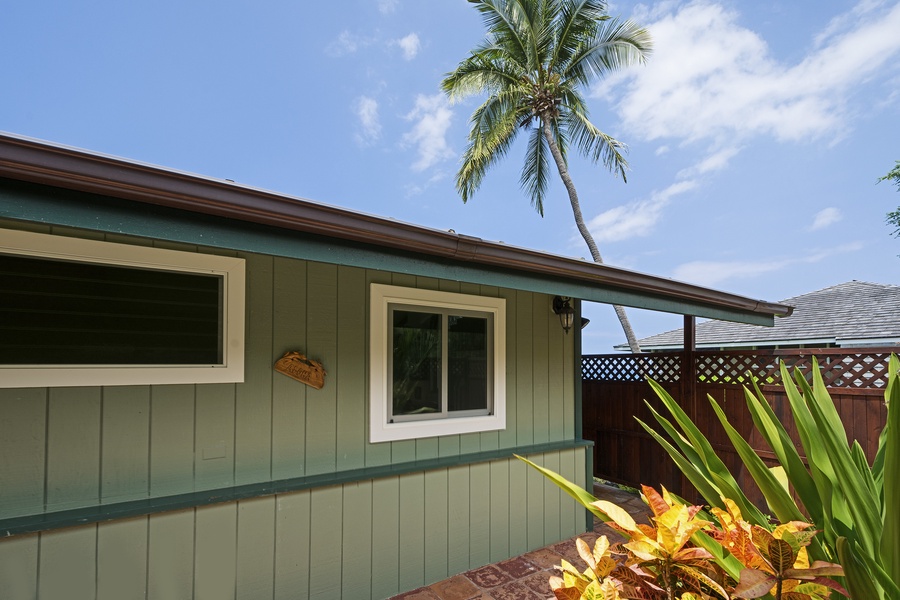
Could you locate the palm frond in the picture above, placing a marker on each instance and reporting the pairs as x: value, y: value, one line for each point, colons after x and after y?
x: 480, y: 73
x: 536, y: 170
x: 503, y: 20
x: 592, y: 142
x: 578, y: 21
x: 493, y: 129
x: 616, y: 44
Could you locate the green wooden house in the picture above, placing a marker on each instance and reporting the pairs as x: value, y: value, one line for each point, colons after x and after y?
x: 150, y: 449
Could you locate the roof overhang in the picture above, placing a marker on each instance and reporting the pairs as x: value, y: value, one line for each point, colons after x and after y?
x: 29, y: 160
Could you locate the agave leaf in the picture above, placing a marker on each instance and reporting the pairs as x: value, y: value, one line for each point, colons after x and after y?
x: 779, y: 499
x: 698, y: 479
x: 863, y: 576
x: 719, y: 474
x: 863, y: 507
x: 819, y: 463
x: 684, y: 445
x: 580, y: 495
x: 837, y: 518
x: 780, y: 442
x: 862, y: 465
x: 890, y: 536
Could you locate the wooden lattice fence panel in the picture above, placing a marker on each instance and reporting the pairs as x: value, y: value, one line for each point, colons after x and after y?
x: 664, y: 367
x: 840, y: 368
x: 863, y: 368
x: 736, y: 368
x: 615, y: 392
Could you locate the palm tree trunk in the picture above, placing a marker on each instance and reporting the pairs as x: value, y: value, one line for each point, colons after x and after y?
x: 582, y: 228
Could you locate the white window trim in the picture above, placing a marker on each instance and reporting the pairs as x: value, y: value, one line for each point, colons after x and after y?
x: 380, y: 430
x: 232, y: 271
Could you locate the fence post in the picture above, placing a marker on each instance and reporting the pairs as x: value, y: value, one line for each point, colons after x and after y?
x: 688, y: 382
x: 688, y: 370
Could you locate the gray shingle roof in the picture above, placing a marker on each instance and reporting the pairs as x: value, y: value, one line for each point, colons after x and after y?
x: 851, y: 313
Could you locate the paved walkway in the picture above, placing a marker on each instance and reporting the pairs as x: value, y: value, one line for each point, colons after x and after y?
x: 526, y: 577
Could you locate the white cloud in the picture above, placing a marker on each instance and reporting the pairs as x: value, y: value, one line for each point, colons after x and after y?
x: 346, y: 43
x: 387, y: 6
x: 635, y: 219
x: 708, y: 67
x: 825, y: 217
x: 409, y: 45
x: 716, y: 161
x: 710, y: 273
x: 432, y: 116
x: 367, y: 112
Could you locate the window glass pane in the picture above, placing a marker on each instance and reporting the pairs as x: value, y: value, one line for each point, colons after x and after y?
x: 468, y: 363
x: 74, y: 313
x: 416, y: 363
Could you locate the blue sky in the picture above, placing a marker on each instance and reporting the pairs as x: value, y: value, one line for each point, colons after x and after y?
x: 756, y: 131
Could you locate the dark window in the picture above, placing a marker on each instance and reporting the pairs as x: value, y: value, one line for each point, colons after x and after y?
x: 57, y: 312
x: 440, y: 363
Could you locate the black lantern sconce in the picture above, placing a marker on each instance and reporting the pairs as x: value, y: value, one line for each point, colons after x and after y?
x: 562, y: 306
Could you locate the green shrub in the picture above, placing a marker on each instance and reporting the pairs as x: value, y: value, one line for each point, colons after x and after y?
x: 855, y: 505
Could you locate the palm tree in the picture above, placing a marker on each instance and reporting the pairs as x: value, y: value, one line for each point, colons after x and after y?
x: 535, y: 57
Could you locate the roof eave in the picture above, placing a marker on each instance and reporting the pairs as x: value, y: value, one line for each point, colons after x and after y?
x: 38, y: 162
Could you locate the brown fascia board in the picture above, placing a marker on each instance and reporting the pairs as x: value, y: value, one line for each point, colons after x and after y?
x: 39, y: 162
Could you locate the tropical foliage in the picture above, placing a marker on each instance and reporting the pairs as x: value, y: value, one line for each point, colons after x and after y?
x: 535, y: 59
x: 661, y: 561
x: 855, y: 506
x: 893, y: 217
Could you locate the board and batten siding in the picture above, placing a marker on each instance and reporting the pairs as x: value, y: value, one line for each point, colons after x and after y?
x: 65, y: 448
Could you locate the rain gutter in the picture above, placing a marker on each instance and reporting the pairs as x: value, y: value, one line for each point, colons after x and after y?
x: 39, y: 162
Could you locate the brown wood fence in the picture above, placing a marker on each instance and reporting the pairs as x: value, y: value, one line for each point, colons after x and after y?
x: 615, y: 390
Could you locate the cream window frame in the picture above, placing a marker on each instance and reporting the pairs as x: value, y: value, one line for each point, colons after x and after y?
x: 56, y: 247
x: 381, y: 298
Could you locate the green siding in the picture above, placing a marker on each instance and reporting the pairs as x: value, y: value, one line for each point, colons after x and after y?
x: 73, y: 447
x: 292, y: 544
x: 256, y: 548
x: 67, y: 567
x: 325, y: 543
x: 321, y: 413
x: 19, y: 566
x: 253, y: 398
x: 288, y: 398
x: 122, y: 560
x: 125, y: 446
x: 22, y: 448
x: 458, y: 519
x: 215, y: 551
x: 499, y: 515
x: 386, y: 537
x: 170, y: 555
x: 65, y: 448
x: 172, y: 410
x: 412, y: 531
x: 436, y: 523
x: 356, y: 540
x: 360, y: 540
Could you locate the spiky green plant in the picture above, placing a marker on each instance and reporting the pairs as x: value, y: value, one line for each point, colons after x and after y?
x: 856, y: 505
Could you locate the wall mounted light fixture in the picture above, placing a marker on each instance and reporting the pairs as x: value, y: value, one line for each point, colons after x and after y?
x: 562, y: 306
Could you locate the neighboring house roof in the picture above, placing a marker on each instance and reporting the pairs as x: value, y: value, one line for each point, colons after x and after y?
x: 855, y: 313
x: 39, y: 162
